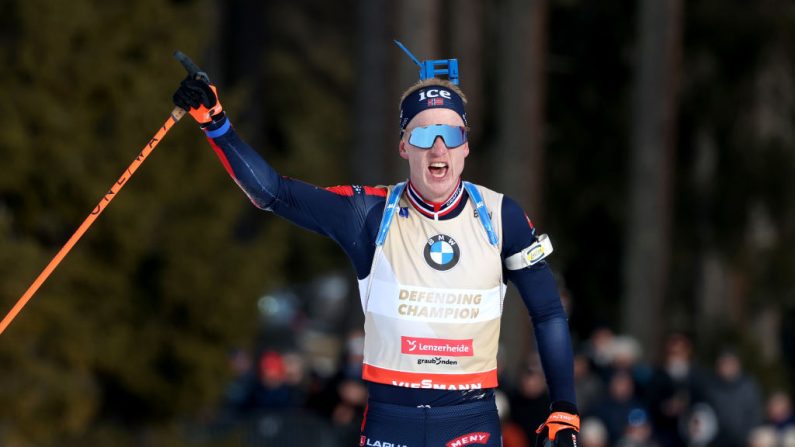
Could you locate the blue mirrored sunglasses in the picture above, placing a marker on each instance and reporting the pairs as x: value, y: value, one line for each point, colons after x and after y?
x: 423, y: 137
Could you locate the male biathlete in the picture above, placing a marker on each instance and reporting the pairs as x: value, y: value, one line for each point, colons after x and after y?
x: 432, y: 256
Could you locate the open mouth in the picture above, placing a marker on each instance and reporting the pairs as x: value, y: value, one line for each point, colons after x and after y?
x: 438, y: 170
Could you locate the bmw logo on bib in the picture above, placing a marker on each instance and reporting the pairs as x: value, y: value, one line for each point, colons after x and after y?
x: 442, y: 252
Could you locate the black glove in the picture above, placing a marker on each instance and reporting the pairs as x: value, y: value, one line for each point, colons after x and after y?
x: 200, y: 99
x: 562, y: 427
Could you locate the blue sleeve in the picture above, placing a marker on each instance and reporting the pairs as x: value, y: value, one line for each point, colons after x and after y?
x: 346, y: 214
x: 539, y: 292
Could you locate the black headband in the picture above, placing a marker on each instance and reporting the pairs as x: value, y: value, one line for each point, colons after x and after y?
x: 430, y: 97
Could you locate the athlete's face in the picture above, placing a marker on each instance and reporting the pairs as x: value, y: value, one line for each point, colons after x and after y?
x: 435, y: 171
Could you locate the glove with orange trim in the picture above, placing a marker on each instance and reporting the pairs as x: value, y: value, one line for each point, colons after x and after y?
x: 562, y: 426
x: 200, y: 99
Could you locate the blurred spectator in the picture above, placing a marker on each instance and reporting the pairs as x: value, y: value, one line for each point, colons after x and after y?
x: 512, y: 434
x: 354, y: 354
x: 764, y: 436
x: 530, y: 402
x: 788, y: 437
x: 598, y: 348
x: 624, y: 353
x: 615, y: 409
x: 295, y: 376
x: 273, y: 392
x: 352, y: 400
x: 638, y: 431
x: 325, y: 396
x: 593, y: 433
x: 348, y: 392
x: 589, y: 387
x: 769, y: 436
x: 779, y: 411
x: 236, y: 399
x: 699, y: 425
x: 674, y: 385
x: 787, y: 341
x: 736, y: 400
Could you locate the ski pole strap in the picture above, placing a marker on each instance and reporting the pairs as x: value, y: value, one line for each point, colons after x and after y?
x: 483, y: 212
x: 558, y: 421
x: 389, y: 212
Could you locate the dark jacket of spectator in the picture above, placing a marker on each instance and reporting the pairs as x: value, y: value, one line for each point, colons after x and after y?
x: 736, y: 400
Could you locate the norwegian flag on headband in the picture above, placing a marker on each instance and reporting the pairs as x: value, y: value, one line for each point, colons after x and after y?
x: 431, y: 96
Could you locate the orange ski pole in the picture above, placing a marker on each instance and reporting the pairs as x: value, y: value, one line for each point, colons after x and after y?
x: 175, y: 116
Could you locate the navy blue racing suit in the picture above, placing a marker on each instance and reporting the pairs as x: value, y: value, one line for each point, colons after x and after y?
x: 351, y: 215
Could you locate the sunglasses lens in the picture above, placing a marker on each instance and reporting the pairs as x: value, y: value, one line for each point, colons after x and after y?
x: 423, y: 137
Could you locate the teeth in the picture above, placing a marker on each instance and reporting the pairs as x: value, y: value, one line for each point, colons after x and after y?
x: 438, y: 165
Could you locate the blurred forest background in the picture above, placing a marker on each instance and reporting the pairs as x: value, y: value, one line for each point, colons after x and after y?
x: 653, y: 140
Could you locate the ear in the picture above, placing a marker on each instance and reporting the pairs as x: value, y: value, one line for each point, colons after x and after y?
x: 402, y: 150
x: 466, y: 149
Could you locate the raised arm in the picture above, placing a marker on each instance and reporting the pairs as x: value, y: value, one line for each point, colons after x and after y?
x: 341, y: 213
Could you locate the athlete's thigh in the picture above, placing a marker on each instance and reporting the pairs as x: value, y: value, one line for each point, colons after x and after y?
x: 391, y: 430
x: 475, y: 430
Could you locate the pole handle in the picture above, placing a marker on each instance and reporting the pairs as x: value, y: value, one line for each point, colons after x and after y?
x: 193, y: 70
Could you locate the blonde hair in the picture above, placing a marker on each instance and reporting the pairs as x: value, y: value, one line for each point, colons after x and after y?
x: 433, y: 81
